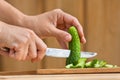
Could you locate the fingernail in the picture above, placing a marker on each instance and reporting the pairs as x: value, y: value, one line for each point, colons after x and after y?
x: 68, y: 38
x: 83, y: 40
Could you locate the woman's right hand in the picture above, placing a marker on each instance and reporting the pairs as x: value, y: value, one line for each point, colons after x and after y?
x: 23, y: 43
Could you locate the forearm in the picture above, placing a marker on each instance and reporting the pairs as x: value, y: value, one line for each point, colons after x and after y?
x: 2, y: 27
x: 10, y: 14
x: 0, y: 31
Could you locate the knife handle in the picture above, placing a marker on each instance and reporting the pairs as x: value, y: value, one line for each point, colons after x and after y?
x: 5, y: 49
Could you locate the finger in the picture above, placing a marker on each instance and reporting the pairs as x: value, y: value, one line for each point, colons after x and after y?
x: 41, y: 46
x: 68, y: 19
x: 62, y: 43
x: 62, y: 35
x: 25, y: 52
x: 12, y: 53
x: 20, y: 52
x: 41, y: 49
x: 80, y: 30
x: 27, y: 58
x: 32, y: 50
x: 25, y: 55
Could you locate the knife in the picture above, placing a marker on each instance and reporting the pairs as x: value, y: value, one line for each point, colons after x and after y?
x: 61, y: 53
x: 64, y: 53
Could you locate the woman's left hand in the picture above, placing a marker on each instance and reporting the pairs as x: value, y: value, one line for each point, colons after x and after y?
x: 54, y: 23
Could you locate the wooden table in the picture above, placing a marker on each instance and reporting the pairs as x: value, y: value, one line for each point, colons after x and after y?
x: 111, y: 76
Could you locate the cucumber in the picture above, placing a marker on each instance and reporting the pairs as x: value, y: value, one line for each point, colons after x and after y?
x: 74, y: 46
x: 75, y: 61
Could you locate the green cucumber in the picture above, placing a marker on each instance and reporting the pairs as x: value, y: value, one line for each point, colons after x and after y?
x: 75, y: 61
x: 74, y: 46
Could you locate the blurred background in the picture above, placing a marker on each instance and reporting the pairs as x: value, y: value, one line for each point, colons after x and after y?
x: 100, y: 20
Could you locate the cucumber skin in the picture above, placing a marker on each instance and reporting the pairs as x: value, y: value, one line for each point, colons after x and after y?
x: 74, y: 46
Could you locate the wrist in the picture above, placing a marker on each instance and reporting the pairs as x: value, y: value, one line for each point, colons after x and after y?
x: 2, y: 26
x: 24, y: 21
x: 0, y: 30
x: 21, y: 20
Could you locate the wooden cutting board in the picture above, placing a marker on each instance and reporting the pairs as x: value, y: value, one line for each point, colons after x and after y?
x: 78, y: 71
x: 64, y: 71
x: 18, y: 73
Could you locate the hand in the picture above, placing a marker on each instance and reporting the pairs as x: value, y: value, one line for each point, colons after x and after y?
x: 54, y: 23
x: 23, y: 43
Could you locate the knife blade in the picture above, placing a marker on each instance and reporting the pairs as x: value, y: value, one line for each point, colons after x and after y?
x: 64, y: 53
x: 61, y: 53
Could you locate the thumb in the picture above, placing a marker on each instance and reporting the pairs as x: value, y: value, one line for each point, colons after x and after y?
x: 62, y: 35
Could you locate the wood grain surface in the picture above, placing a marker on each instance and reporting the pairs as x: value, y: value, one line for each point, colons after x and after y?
x: 63, y: 71
x: 59, y: 74
x: 78, y: 71
x: 18, y: 73
x: 64, y: 77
